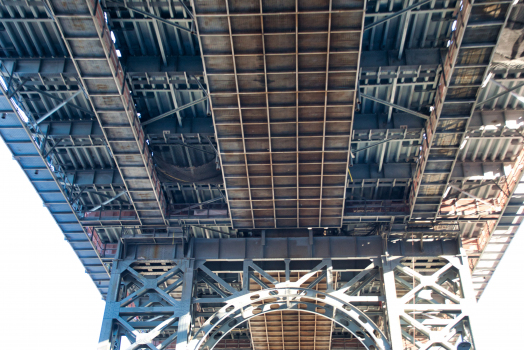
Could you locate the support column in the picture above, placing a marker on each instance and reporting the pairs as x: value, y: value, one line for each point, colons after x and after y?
x: 141, y: 304
x: 469, y: 295
x: 185, y: 319
x: 107, y: 341
x: 392, y: 305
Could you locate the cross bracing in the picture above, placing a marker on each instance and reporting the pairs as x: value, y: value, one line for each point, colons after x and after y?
x: 434, y: 145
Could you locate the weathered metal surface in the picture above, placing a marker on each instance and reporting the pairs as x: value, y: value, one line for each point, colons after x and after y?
x: 103, y: 79
x: 282, y: 79
x: 294, y: 248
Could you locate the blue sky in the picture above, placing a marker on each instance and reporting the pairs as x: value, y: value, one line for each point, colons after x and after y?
x: 49, y: 302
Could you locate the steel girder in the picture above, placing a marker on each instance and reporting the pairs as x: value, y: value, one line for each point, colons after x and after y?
x: 425, y: 60
x: 48, y: 68
x: 455, y: 102
x: 455, y: 108
x: 109, y: 96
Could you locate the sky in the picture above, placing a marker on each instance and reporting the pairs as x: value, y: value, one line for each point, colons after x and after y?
x: 49, y: 302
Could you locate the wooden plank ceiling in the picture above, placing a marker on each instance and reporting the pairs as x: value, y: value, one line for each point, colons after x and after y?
x: 282, y: 80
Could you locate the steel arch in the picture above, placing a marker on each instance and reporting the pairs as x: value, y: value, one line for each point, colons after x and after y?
x: 246, y: 306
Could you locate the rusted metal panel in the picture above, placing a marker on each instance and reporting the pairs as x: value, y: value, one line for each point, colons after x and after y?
x: 282, y: 80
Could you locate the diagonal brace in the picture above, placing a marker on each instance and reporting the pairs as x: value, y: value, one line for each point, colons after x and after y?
x: 512, y: 93
x: 396, y: 14
x: 22, y: 83
x: 400, y: 108
x: 364, y: 283
x: 196, y: 205
x: 375, y: 144
x: 48, y: 114
x: 173, y: 111
x: 44, y: 93
x: 150, y: 15
x: 499, y: 95
x: 52, y: 148
x: 108, y: 201
x: 213, y: 286
x: 357, y: 278
x: 471, y: 195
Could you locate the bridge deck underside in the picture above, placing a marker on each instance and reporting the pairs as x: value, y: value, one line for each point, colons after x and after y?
x: 282, y: 80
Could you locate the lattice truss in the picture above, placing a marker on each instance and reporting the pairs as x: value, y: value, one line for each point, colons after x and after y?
x: 147, y: 302
x: 429, y: 301
x: 288, y: 304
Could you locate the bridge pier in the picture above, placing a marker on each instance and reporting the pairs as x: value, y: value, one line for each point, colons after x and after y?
x: 190, y: 295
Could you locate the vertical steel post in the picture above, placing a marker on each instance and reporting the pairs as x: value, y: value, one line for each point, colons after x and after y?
x: 185, y: 319
x: 468, y: 293
x: 107, y: 340
x: 392, y: 305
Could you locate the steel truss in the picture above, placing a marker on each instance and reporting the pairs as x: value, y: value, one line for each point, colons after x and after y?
x: 191, y: 296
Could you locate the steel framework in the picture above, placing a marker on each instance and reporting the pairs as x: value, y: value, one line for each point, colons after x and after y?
x: 384, y: 300
x: 198, y: 153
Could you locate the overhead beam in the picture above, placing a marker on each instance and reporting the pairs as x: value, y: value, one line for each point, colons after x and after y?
x: 342, y: 247
x: 428, y: 58
x: 462, y: 170
x: 192, y: 65
x: 176, y: 65
x: 91, y: 128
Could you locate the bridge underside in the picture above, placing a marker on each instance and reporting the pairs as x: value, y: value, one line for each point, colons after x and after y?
x: 196, y: 152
